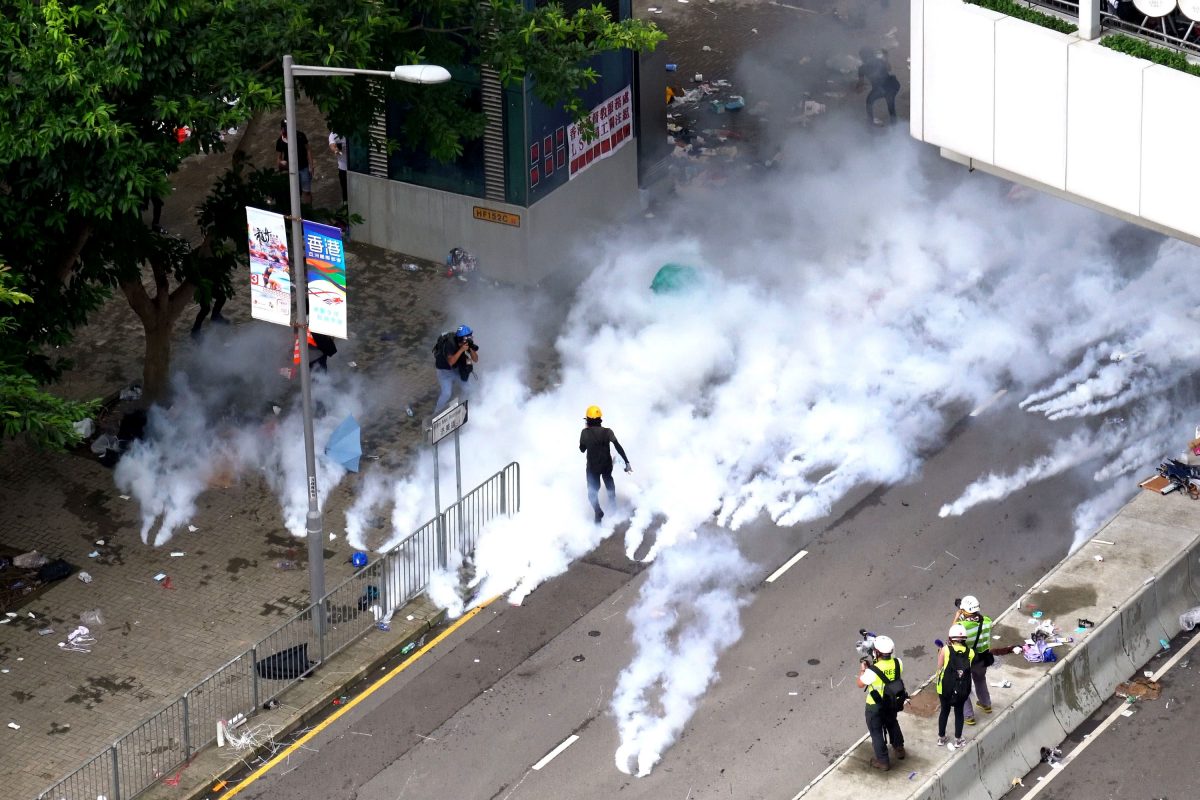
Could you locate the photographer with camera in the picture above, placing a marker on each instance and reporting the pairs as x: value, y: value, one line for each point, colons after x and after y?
x: 455, y: 355
x: 880, y: 679
x: 979, y: 637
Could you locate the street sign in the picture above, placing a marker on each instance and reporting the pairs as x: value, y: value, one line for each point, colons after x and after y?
x: 446, y: 422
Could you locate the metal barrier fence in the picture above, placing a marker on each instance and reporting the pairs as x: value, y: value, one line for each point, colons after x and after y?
x: 165, y: 741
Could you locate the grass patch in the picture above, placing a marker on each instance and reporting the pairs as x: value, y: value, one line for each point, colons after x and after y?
x: 1139, y: 48
x: 1011, y: 9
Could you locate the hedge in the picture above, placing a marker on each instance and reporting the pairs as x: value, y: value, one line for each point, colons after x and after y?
x: 1011, y: 9
x: 1139, y: 48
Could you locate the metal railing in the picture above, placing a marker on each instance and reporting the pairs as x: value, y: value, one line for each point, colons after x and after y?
x: 165, y: 741
x: 1174, y: 31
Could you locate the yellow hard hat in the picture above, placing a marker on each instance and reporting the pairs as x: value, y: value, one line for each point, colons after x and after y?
x: 593, y: 412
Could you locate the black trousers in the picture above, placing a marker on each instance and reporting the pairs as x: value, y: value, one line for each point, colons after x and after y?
x: 944, y: 715
x: 880, y: 93
x: 880, y: 722
x: 215, y: 308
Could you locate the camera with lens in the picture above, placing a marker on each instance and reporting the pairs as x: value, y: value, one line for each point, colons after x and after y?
x: 865, y: 646
x: 470, y: 340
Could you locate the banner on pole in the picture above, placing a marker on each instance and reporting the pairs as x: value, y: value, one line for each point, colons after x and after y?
x: 270, y: 277
x: 613, y: 121
x: 326, y: 263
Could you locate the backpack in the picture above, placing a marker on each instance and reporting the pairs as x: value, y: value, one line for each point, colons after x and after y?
x: 894, y: 694
x: 439, y: 346
x: 956, y: 678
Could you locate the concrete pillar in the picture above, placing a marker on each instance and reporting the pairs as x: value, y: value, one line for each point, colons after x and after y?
x: 1089, y: 19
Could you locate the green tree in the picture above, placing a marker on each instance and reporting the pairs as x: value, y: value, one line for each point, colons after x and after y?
x: 25, y: 408
x: 94, y: 91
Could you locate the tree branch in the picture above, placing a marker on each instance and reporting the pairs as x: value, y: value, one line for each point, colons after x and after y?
x: 139, y: 300
x: 66, y: 265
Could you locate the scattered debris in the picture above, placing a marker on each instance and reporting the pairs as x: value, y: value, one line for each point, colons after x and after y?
x: 14, y: 726
x: 192, y: 528
x: 132, y: 392
x: 160, y: 577
x: 84, y: 427
x: 1139, y: 689
x: 1051, y: 755
x: 31, y: 560
x: 84, y: 577
x: 177, y: 554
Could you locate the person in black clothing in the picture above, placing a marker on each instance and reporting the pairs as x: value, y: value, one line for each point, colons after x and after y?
x: 594, y: 440
x: 325, y: 347
x: 884, y: 85
x: 303, y: 160
x: 455, y: 355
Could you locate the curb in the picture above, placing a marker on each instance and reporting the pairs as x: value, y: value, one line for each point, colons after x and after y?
x: 316, y: 706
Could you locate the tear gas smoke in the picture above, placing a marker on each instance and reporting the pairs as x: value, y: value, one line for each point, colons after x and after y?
x: 849, y: 314
x: 227, y: 420
x: 687, y: 613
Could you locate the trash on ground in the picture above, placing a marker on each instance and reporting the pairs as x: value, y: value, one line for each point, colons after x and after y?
x: 1164, y: 644
x: 31, y: 560
x: 1187, y: 620
x: 133, y: 392
x: 45, y: 631
x: 160, y: 576
x: 94, y: 554
x: 1139, y: 689
x: 192, y: 528
x: 92, y: 617
x: 408, y: 266
x: 84, y: 427
x: 84, y: 577
x: 1051, y: 755
x: 178, y: 554
x: 14, y: 726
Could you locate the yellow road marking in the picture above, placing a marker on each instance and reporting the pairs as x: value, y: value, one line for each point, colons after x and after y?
x: 335, y: 716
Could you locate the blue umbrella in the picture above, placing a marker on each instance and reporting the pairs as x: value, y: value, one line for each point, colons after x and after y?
x: 345, y: 444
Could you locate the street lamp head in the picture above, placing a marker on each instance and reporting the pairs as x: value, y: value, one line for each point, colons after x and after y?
x: 421, y: 73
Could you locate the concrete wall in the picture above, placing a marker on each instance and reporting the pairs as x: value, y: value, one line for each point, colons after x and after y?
x: 427, y: 222
x: 1058, y: 113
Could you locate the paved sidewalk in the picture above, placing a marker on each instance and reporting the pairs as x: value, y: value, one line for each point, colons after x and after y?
x: 226, y: 592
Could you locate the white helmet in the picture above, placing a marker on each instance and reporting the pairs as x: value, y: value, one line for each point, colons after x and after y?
x: 885, y: 646
x: 957, y: 631
x: 970, y: 604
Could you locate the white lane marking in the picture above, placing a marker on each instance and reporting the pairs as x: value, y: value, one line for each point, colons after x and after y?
x: 986, y: 404
x: 546, y: 759
x: 790, y: 563
x: 1103, y: 726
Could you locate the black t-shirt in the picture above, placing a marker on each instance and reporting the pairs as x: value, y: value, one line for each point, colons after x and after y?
x: 301, y: 149
x: 447, y: 346
x: 594, y: 441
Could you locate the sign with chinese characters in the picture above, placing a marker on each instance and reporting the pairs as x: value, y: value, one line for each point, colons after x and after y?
x: 326, y: 263
x: 613, y: 121
x: 447, y: 422
x: 494, y: 215
x: 270, y: 278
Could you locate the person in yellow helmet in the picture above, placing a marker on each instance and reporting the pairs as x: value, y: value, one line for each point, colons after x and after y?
x: 594, y: 440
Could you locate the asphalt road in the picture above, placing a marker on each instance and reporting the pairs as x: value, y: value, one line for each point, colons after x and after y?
x: 473, y: 716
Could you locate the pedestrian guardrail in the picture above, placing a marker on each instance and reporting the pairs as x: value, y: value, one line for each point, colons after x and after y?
x: 169, y: 738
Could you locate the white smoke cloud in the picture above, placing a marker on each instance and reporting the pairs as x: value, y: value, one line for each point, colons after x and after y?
x: 850, y: 312
x: 687, y: 613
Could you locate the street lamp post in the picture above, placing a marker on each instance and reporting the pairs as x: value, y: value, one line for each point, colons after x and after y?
x: 419, y: 73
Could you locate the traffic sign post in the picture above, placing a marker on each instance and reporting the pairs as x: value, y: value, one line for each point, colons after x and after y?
x: 449, y: 421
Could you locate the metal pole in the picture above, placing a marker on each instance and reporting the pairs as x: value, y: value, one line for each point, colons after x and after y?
x: 316, y: 526
x: 457, y: 465
x: 437, y: 508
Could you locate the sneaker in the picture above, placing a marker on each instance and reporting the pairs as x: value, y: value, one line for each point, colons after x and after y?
x: 960, y: 743
x: 971, y: 721
x: 880, y: 765
x: 941, y: 741
x: 900, y: 754
x: 983, y: 708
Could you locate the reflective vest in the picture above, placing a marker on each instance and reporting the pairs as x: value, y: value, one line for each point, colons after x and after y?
x: 984, y: 625
x: 888, y: 666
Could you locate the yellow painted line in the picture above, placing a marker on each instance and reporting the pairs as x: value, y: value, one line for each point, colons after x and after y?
x: 335, y: 716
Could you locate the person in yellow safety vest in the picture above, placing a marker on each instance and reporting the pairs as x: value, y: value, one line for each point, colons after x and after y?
x: 979, y: 637
x: 881, y: 720
x: 954, y: 682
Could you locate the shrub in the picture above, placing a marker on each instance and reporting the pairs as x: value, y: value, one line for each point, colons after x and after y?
x: 1011, y: 9
x: 1139, y: 48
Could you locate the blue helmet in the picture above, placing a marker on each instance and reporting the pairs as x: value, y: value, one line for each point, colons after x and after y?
x: 359, y: 559
x: 463, y: 331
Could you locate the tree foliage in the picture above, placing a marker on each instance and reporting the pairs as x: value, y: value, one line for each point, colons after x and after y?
x: 25, y: 408
x: 93, y: 92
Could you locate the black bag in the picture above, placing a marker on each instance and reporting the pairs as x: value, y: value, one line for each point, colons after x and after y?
x: 894, y: 694
x: 891, y: 84
x: 286, y: 665
x: 956, y: 677
x: 54, y: 570
x: 986, y: 657
x: 443, y: 341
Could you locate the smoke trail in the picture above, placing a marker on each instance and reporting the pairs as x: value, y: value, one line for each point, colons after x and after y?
x: 687, y: 614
